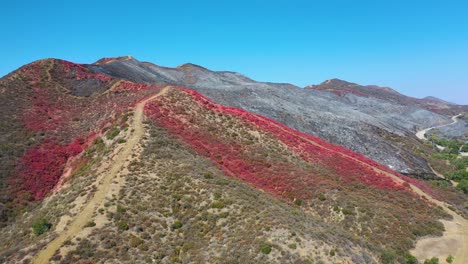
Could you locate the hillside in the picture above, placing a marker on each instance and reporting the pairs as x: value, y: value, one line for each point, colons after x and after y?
x: 380, y: 129
x: 100, y: 168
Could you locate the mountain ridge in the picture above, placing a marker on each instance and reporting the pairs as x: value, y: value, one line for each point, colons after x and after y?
x: 264, y: 98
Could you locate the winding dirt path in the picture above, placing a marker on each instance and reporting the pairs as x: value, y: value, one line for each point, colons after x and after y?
x: 454, y: 240
x: 86, y: 214
x: 421, y: 134
x: 49, y: 68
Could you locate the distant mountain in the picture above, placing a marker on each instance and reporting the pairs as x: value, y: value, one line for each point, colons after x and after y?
x: 438, y: 100
x: 385, y: 93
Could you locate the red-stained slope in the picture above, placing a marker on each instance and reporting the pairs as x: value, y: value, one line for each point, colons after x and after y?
x: 42, y: 165
x: 68, y: 123
x: 279, y: 178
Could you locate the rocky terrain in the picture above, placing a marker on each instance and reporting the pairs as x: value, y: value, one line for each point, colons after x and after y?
x: 125, y: 161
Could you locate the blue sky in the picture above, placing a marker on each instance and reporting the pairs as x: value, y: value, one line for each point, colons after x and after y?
x: 417, y: 47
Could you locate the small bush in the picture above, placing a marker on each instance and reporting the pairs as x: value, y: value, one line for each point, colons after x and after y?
x: 122, y: 225
x: 90, y: 224
x: 135, y: 241
x: 41, y: 226
x: 432, y: 261
x: 217, y: 205
x: 176, y: 225
x: 463, y: 186
x: 120, y: 209
x: 388, y: 257
x: 112, y: 134
x: 450, y: 258
x: 208, y: 175
x: 265, y: 248
x: 322, y: 197
x: 410, y: 259
x: 217, y: 195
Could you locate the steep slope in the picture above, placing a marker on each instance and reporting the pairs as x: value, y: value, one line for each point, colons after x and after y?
x: 380, y: 129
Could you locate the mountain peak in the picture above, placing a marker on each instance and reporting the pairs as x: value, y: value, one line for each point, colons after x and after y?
x: 109, y: 60
x: 336, y: 81
x: 191, y: 66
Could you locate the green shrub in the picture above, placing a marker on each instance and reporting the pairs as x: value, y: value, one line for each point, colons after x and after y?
x: 208, y: 175
x: 460, y: 163
x: 217, y: 195
x: 135, y: 241
x: 41, y: 226
x: 322, y: 197
x: 388, y: 257
x: 463, y: 186
x: 458, y: 175
x: 217, y: 205
x: 450, y: 258
x: 120, y: 209
x: 410, y: 259
x: 298, y: 202
x: 441, y: 183
x: 112, y: 134
x: 90, y: 224
x: 176, y: 225
x: 265, y: 248
x: 432, y: 261
x: 122, y: 225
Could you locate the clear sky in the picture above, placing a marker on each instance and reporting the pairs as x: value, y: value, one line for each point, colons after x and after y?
x: 417, y: 47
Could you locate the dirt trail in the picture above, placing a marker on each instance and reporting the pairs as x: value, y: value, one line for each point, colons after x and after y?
x: 49, y: 68
x: 442, y: 176
x: 86, y: 215
x: 453, y: 242
x: 421, y: 134
x: 115, y: 85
